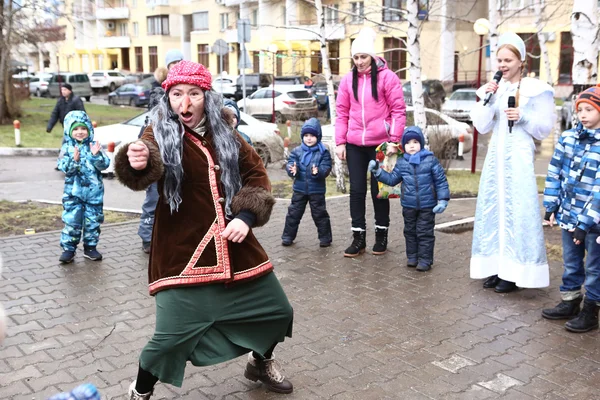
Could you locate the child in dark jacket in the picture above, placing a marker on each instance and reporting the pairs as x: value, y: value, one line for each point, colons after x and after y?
x: 84, y: 191
x: 309, y: 164
x: 424, y: 193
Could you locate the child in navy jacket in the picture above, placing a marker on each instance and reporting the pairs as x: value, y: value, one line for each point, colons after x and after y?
x: 309, y: 164
x: 424, y: 193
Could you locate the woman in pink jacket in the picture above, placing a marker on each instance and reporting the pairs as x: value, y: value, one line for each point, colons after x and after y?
x: 371, y: 110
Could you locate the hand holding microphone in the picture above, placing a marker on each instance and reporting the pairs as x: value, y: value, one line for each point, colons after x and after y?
x: 491, y: 87
x: 512, y: 113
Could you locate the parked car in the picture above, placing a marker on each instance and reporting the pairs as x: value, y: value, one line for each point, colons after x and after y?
x: 433, y: 92
x: 225, y: 85
x: 253, y: 83
x: 79, y: 82
x: 38, y: 85
x: 290, y: 80
x: 291, y: 102
x: 134, y: 95
x: 106, y: 80
x: 319, y: 91
x: 265, y: 137
x: 460, y: 103
x: 137, y: 77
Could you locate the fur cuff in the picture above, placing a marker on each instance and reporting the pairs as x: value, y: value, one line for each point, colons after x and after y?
x: 134, y: 179
x: 256, y: 200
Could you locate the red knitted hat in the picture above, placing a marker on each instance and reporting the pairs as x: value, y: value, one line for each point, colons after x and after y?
x: 590, y: 96
x: 188, y: 72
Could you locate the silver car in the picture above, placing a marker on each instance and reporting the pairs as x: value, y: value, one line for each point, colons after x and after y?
x: 460, y: 104
x: 79, y: 82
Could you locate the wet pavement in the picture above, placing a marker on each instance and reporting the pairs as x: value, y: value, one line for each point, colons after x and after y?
x: 365, y: 328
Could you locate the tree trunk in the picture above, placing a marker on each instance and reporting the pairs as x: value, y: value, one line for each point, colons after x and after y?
x: 584, y: 30
x: 3, y: 61
x: 414, y: 49
x: 493, y: 36
x: 325, y: 60
x: 539, y: 24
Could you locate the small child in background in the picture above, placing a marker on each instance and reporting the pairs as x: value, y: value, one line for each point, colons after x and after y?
x: 425, y: 192
x: 309, y: 164
x: 572, y: 198
x: 83, y: 195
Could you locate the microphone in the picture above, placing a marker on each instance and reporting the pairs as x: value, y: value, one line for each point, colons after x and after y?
x: 488, y: 97
x: 511, y: 104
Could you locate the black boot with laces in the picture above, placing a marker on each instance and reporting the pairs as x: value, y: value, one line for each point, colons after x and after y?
x: 587, y: 318
x: 381, y: 238
x: 358, y: 244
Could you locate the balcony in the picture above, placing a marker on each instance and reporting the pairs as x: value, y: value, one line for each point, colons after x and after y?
x: 114, y: 42
x: 84, y: 12
x: 333, y: 31
x: 231, y: 3
x: 112, y: 13
x: 156, y: 3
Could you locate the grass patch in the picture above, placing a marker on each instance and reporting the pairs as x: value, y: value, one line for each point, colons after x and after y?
x: 16, y: 217
x: 466, y: 184
x: 36, y: 113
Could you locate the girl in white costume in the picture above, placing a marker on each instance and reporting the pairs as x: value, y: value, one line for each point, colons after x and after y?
x: 508, y: 240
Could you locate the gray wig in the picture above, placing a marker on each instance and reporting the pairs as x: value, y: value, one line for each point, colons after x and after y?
x: 169, y: 131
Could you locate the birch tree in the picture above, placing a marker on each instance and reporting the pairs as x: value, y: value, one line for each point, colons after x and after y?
x: 584, y: 30
x: 325, y: 60
x: 493, y: 34
x: 414, y: 49
x: 539, y: 8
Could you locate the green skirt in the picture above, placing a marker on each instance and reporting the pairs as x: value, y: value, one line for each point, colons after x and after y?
x: 215, y: 323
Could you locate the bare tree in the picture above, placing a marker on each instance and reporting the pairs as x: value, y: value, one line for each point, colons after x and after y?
x: 584, y: 29
x: 540, y: 7
x: 414, y: 49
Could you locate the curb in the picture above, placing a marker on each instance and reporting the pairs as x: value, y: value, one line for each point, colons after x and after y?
x: 28, y: 151
x: 458, y: 226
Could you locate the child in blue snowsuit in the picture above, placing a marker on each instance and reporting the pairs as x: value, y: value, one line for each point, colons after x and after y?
x: 309, y: 164
x: 425, y: 192
x: 84, y: 191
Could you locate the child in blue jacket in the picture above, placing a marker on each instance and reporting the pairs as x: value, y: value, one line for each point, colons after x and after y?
x: 424, y: 193
x: 309, y: 164
x: 84, y: 191
x: 572, y: 198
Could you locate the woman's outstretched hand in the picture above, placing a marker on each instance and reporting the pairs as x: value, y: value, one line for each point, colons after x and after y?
x: 138, y: 154
x: 236, y: 231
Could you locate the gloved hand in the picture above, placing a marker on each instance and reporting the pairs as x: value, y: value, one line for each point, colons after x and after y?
x: 373, y: 166
x: 579, y: 236
x: 441, y: 206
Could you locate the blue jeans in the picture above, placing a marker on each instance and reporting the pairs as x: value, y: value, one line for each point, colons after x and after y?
x: 576, y: 273
x: 147, y: 217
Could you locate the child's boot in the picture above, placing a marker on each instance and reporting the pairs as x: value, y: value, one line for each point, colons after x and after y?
x: 67, y: 256
x: 358, y: 244
x: 92, y: 253
x: 587, y: 318
x: 566, y: 309
x: 381, y: 238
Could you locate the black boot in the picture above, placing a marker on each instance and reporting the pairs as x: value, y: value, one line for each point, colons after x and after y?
x: 358, y: 244
x: 380, y: 246
x: 587, y: 318
x: 566, y: 309
x: 269, y: 373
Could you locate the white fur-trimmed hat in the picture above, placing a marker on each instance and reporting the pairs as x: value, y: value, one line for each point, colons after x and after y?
x: 364, y: 42
x: 514, y: 40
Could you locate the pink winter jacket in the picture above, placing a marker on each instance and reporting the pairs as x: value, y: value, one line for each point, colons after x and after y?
x: 367, y: 122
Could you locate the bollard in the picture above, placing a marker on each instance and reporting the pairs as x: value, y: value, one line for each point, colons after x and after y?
x: 94, y: 124
x: 286, y: 148
x: 17, y: 125
x: 461, y: 147
x: 110, y: 152
x: 289, y: 127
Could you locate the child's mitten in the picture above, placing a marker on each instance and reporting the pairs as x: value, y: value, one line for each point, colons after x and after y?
x: 441, y: 206
x: 374, y: 167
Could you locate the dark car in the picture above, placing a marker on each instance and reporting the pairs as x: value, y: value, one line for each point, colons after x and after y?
x: 134, y: 95
x: 433, y: 92
x: 319, y: 91
x: 253, y: 83
x: 137, y: 78
x: 290, y: 80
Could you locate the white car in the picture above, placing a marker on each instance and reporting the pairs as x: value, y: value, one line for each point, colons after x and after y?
x: 265, y: 137
x: 225, y: 85
x: 38, y: 85
x: 460, y: 103
x: 291, y: 102
x: 106, y: 80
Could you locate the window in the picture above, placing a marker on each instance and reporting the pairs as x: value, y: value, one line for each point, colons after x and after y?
x: 133, y: 3
x: 200, y: 21
x: 395, y: 55
x: 332, y: 14
x: 123, y: 29
x: 139, y: 59
x: 390, y: 8
x: 225, y: 63
x: 532, y: 46
x: 224, y: 21
x: 565, y: 63
x: 203, y: 54
x: 358, y: 11
x: 158, y: 25
x: 515, y: 5
x: 136, y: 29
x: 334, y: 55
x: 153, y: 52
x: 254, y: 18
x: 255, y: 62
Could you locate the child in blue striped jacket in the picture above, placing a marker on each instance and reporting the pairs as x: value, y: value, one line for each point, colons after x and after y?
x: 572, y: 198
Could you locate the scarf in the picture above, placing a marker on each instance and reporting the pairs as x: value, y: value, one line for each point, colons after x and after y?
x: 309, y: 150
x: 416, y: 158
x: 200, y: 129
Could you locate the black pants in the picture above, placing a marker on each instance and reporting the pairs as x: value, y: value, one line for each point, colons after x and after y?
x: 419, y: 236
x: 358, y: 158
x: 318, y: 211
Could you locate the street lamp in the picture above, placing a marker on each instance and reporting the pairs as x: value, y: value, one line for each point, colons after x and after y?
x: 273, y: 50
x: 481, y: 28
